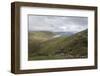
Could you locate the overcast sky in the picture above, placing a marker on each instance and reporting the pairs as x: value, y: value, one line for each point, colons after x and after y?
x: 57, y: 23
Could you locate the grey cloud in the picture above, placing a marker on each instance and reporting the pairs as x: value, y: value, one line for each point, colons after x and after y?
x: 57, y: 23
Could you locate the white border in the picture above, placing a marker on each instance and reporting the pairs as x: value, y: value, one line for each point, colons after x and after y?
x: 25, y: 64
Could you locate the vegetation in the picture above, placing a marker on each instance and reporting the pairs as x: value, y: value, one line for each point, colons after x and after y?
x: 42, y: 46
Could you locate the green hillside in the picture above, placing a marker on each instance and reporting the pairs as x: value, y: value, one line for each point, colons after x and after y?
x: 63, y: 47
x: 40, y: 35
x: 36, y: 38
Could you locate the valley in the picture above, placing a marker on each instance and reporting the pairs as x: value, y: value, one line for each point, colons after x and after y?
x: 45, y: 45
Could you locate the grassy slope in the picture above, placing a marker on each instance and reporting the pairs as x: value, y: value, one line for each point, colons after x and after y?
x: 40, y: 35
x: 63, y: 47
x: 35, y: 39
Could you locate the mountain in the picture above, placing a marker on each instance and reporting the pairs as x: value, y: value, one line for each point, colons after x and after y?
x: 36, y: 38
x: 63, y: 47
x: 40, y: 35
x: 64, y: 33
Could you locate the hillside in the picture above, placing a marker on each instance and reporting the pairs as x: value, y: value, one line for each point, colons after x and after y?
x: 35, y: 38
x: 40, y: 35
x: 63, y: 47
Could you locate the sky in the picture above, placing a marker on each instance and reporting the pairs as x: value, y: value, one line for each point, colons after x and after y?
x: 57, y: 23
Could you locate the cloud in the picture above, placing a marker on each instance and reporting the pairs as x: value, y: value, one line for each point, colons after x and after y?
x: 57, y: 23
